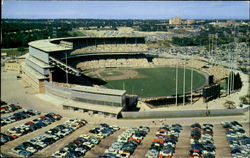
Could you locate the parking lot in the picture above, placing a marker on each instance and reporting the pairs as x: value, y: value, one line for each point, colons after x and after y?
x: 181, y: 150
x: 48, y: 151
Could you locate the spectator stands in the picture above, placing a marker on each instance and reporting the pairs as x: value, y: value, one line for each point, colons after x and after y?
x: 111, y: 48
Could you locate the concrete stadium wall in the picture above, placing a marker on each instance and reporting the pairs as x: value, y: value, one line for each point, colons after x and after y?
x: 43, y: 71
x: 57, y: 90
x: 98, y: 97
x: 39, y: 54
x: 67, y: 93
x: 186, y: 113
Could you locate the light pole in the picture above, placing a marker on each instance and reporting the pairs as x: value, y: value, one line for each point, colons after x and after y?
x: 176, y: 82
x: 192, y: 75
x: 67, y: 79
x: 184, y: 79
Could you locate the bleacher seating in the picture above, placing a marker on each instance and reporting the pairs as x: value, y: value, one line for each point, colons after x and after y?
x: 111, y: 48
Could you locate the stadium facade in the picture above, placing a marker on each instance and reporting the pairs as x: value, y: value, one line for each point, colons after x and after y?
x: 47, y: 55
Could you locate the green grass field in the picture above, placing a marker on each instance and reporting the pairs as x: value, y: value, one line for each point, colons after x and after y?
x: 158, y: 82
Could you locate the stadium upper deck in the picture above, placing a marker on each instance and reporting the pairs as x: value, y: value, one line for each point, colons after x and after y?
x: 72, y: 43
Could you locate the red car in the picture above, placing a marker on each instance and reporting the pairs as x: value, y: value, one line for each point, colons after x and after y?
x: 158, y: 140
x: 43, y: 118
x: 29, y: 123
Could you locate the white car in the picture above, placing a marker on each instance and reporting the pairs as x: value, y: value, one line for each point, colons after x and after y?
x: 122, y: 139
x: 90, y: 145
x: 169, y: 144
x: 9, y: 120
x: 210, y: 152
x: 59, y: 154
x: 115, y: 127
x: 31, y: 149
x: 152, y: 154
x: 95, y: 140
x: 112, y: 150
x: 192, y: 141
x: 85, y: 136
x: 136, y: 137
x: 62, y: 133
x: 41, y: 144
x: 82, y: 150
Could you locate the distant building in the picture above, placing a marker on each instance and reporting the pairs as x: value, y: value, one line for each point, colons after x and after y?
x: 15, y: 65
x: 189, y: 22
x: 231, y: 22
x: 12, y: 65
x: 218, y: 24
x: 175, y: 21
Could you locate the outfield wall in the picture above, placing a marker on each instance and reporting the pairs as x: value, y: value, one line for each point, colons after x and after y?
x: 184, y: 113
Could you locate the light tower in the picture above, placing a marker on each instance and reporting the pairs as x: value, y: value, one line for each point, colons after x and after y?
x: 184, y: 79
x: 176, y: 78
x: 67, y: 79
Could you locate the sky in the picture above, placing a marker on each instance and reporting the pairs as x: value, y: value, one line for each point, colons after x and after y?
x: 125, y: 9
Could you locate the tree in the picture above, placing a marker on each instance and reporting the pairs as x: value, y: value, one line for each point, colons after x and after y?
x: 229, y: 104
x: 245, y: 99
x: 21, y: 49
x: 237, y: 81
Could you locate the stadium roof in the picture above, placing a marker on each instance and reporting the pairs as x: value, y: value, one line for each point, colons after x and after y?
x: 47, y: 45
x: 104, y: 91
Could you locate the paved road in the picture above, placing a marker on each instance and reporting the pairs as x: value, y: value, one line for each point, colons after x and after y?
x: 183, y: 144
x: 220, y: 141
x: 142, y: 149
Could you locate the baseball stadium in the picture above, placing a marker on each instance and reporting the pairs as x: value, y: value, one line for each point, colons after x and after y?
x: 107, y: 75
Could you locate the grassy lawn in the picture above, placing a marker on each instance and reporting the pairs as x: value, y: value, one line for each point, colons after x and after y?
x: 158, y: 82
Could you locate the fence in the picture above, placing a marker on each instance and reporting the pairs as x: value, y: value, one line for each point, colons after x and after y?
x: 184, y: 113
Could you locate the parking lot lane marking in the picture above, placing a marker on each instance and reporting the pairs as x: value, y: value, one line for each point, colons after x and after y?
x: 104, y: 144
x: 183, y: 144
x: 49, y: 150
x: 142, y: 149
x: 220, y: 142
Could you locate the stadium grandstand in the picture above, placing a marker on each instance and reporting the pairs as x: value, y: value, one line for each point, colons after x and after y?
x: 49, y: 62
x: 60, y: 67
